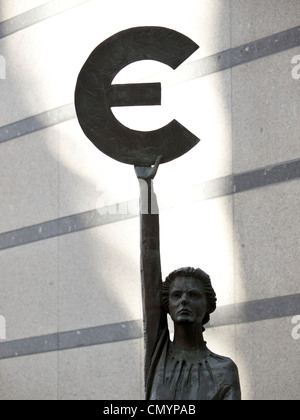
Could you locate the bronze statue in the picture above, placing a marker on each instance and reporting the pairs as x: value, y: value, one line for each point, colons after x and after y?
x: 184, y: 369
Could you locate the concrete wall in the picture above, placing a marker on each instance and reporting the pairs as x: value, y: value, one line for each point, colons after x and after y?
x: 69, y: 287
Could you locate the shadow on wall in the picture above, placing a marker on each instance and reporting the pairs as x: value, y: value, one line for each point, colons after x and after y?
x: 81, y: 280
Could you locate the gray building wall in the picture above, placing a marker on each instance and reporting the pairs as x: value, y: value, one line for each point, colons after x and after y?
x: 69, y: 287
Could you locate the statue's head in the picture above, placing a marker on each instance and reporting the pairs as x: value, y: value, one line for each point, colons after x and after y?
x: 188, y: 296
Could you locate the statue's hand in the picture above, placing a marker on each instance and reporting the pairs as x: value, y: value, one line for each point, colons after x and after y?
x: 148, y: 173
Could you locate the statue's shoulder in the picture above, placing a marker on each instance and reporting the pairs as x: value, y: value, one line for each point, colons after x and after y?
x: 226, y: 370
x: 217, y: 361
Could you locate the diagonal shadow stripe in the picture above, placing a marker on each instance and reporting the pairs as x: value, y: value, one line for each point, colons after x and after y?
x: 222, y: 61
x: 36, y: 123
x: 72, y: 339
x: 242, y: 54
x: 36, y: 15
x: 253, y: 311
x: 271, y: 175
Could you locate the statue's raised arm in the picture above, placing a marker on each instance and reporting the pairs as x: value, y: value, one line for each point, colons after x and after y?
x: 155, y: 318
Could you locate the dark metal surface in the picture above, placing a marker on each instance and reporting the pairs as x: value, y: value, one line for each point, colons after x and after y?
x: 184, y: 369
x: 138, y: 94
x: 95, y: 96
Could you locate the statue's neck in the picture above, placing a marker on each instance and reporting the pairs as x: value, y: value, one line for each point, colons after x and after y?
x: 189, y: 336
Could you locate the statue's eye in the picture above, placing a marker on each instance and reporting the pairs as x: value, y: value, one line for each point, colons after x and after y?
x: 176, y: 295
x: 195, y: 295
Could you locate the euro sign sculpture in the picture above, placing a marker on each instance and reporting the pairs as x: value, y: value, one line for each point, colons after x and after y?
x: 182, y: 369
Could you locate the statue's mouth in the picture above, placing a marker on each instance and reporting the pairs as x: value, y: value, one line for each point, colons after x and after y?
x: 184, y: 312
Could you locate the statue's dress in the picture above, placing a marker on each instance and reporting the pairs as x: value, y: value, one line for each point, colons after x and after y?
x: 191, y: 375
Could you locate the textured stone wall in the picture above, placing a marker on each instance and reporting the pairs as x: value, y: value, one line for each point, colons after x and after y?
x: 70, y: 298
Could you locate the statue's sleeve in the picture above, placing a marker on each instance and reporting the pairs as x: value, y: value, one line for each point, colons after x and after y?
x: 234, y: 391
x: 155, y: 318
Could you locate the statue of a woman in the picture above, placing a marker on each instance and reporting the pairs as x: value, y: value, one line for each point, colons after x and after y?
x: 182, y: 369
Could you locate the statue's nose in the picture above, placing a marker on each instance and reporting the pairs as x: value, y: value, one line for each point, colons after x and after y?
x: 184, y: 300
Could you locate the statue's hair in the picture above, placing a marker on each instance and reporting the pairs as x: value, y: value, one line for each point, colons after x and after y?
x: 198, y: 274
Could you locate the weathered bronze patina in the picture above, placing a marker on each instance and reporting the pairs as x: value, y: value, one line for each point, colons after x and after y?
x: 183, y: 369
x: 95, y: 95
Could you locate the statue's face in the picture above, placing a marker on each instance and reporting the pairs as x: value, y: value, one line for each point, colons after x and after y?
x: 187, y: 300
